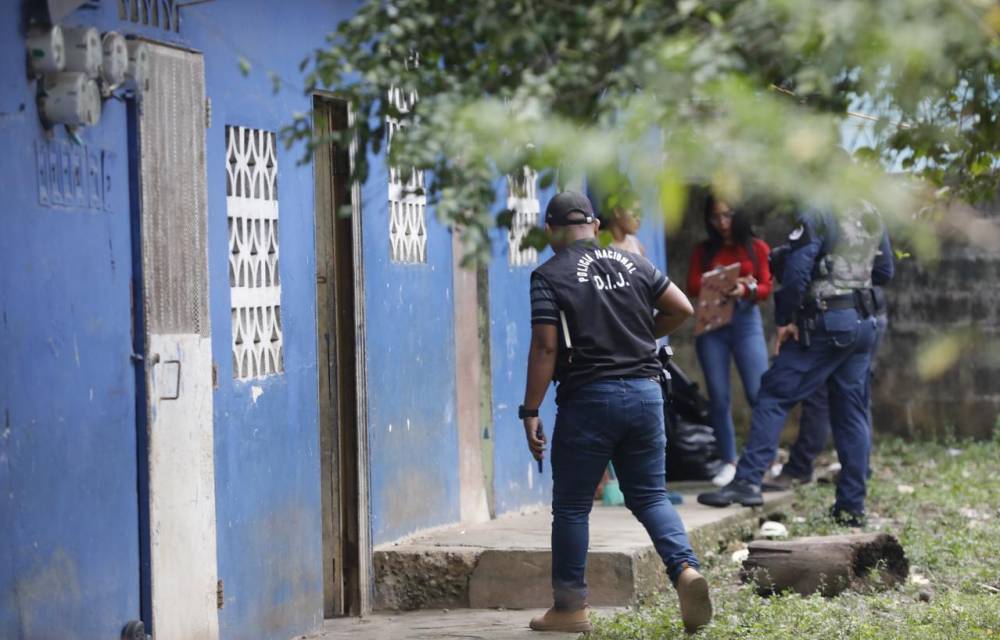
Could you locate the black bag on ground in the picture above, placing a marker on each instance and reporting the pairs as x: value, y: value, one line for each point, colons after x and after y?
x: 692, y: 453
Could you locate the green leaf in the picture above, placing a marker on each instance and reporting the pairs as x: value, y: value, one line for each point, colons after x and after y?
x: 505, y: 218
x: 536, y: 238
x: 244, y: 66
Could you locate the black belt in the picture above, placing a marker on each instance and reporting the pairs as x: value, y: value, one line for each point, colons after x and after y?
x: 835, y: 303
x: 864, y: 301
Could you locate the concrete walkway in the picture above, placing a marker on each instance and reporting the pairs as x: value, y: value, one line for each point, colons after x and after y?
x: 477, y: 624
x: 487, y: 580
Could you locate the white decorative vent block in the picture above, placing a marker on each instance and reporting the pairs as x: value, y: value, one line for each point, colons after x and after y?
x: 407, y: 200
x: 164, y: 14
x: 254, y: 280
x: 522, y: 199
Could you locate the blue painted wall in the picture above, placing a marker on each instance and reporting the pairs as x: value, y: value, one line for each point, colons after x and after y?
x: 69, y: 544
x: 69, y: 549
x: 413, y: 428
x: 516, y: 481
x: 266, y: 451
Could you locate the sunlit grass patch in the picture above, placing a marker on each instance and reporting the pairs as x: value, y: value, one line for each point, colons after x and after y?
x: 942, y: 501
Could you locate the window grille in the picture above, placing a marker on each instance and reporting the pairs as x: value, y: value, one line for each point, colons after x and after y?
x: 522, y: 199
x: 407, y: 200
x: 254, y: 279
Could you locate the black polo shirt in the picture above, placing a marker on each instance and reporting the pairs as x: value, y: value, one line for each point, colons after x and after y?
x: 607, y: 296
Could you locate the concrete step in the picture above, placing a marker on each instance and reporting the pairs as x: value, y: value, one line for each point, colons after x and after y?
x: 507, y: 562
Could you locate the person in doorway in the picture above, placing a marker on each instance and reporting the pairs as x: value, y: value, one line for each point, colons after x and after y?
x: 825, y: 312
x: 595, y: 317
x: 731, y: 240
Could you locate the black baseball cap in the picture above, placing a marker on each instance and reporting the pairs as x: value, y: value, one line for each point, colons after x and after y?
x: 563, y: 206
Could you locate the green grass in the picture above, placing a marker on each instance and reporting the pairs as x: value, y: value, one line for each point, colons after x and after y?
x: 949, y: 526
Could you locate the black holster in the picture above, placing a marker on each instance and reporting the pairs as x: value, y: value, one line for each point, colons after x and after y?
x: 864, y: 302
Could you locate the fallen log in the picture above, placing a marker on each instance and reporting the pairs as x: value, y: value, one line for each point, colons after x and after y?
x: 825, y: 564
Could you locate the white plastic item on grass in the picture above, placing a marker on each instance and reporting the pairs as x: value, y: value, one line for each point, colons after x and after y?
x: 919, y: 580
x: 772, y: 529
x: 741, y: 555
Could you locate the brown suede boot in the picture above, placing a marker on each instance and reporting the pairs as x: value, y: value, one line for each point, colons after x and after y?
x: 696, y: 605
x: 569, y: 621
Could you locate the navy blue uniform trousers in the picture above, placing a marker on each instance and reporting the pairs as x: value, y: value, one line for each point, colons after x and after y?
x: 839, y: 357
x: 814, y: 425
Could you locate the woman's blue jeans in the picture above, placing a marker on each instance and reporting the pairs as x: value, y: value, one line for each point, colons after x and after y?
x: 743, y: 341
x: 617, y: 420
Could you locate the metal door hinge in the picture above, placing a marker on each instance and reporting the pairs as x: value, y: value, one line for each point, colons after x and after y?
x: 220, y: 598
x: 208, y: 112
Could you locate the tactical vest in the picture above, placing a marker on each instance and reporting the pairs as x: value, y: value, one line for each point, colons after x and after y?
x: 848, y: 265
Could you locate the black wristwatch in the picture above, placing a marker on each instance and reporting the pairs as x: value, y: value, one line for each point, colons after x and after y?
x: 523, y: 413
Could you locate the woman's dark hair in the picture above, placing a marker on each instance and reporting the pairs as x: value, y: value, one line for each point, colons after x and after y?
x: 743, y: 234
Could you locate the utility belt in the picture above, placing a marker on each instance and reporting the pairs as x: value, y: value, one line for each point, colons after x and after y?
x: 867, y: 302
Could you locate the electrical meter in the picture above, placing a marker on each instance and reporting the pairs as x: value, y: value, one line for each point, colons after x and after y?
x: 70, y: 98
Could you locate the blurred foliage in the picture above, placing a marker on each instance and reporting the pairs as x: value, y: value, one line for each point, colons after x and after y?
x: 748, y: 96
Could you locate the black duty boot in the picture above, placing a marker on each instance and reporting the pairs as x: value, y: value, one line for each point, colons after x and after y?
x: 847, y: 518
x: 736, y: 491
x: 783, y: 482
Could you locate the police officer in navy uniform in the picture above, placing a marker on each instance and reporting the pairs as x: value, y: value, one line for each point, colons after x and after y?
x: 814, y: 423
x: 595, y: 316
x: 825, y: 312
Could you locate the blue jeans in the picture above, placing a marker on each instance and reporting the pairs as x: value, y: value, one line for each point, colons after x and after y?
x: 839, y: 358
x: 742, y: 340
x: 617, y: 420
x: 814, y: 424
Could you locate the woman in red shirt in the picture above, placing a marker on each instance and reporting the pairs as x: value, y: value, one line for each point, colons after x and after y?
x: 731, y: 240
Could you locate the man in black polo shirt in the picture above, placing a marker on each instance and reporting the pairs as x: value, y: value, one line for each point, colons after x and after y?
x: 594, y: 331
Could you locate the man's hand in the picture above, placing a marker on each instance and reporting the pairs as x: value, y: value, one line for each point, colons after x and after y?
x: 536, y: 437
x: 788, y: 332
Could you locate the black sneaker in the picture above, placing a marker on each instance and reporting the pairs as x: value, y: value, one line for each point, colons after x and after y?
x: 736, y: 491
x: 847, y: 518
x: 783, y: 482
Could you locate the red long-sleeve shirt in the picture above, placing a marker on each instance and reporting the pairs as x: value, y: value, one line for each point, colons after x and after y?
x: 727, y: 255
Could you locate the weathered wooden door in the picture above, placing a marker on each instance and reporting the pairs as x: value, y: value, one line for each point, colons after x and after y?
x: 178, y: 356
x: 340, y: 326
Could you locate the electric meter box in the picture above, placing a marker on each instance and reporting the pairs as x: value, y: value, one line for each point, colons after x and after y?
x: 70, y: 98
x: 46, y: 50
x: 83, y: 50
